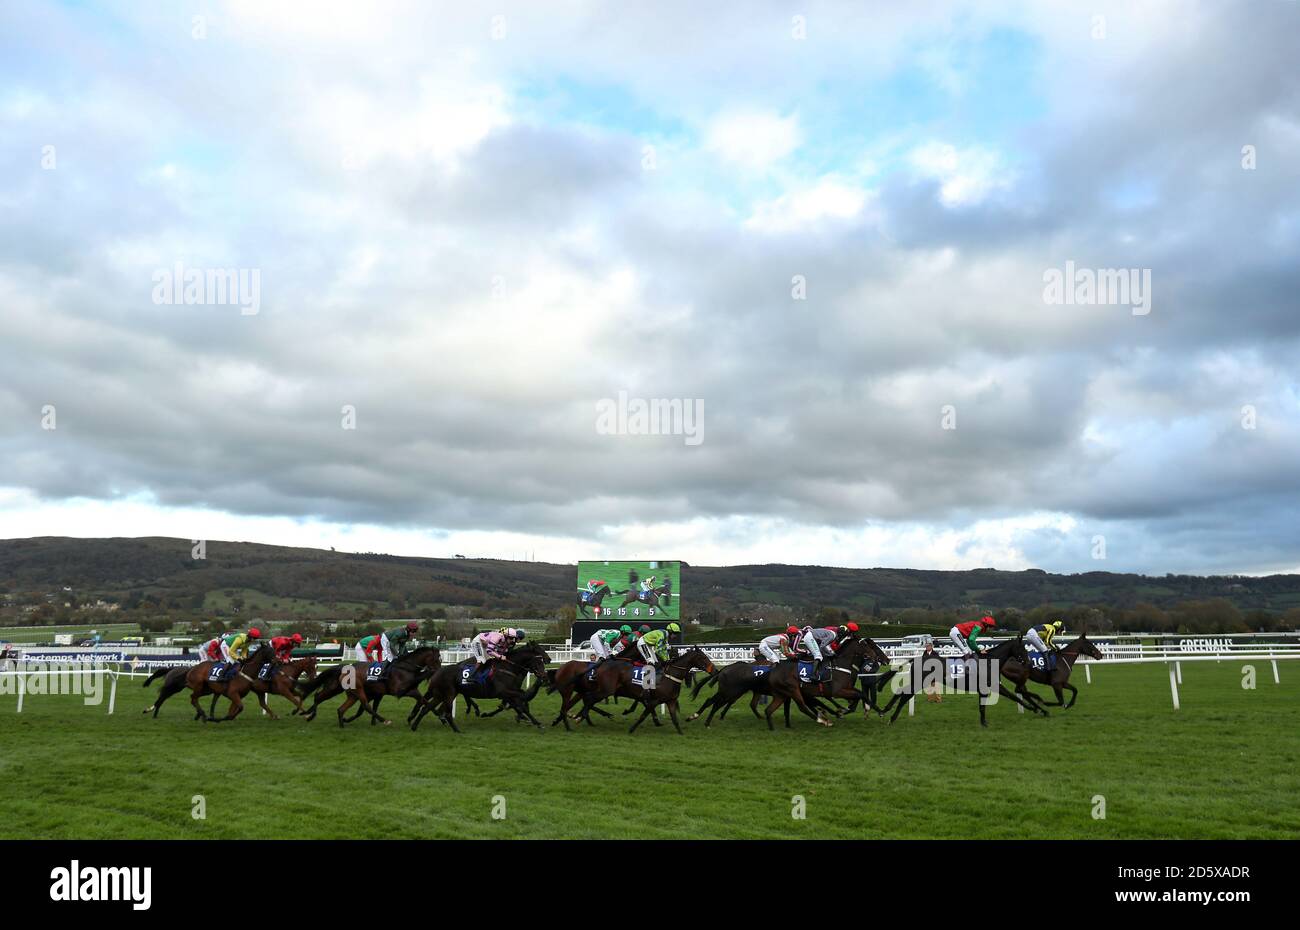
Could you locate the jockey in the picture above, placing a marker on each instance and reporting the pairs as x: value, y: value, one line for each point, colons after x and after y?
x: 488, y: 646
x: 394, y: 641
x: 370, y: 648
x: 1040, y: 637
x: 601, y: 643
x: 284, y: 646
x: 234, y: 646
x: 777, y: 647
x: 654, y: 644
x: 594, y: 585
x: 622, y: 647
x: 966, y: 634
x: 211, y: 650
x: 648, y: 584
x: 817, y: 644
x: 843, y: 633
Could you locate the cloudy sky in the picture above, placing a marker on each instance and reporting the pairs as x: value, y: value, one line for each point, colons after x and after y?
x: 828, y: 226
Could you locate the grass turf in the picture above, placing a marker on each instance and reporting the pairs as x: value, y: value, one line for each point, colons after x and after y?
x: 1226, y: 765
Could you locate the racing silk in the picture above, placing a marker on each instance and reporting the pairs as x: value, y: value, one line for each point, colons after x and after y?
x: 212, y: 649
x: 971, y: 630
x: 777, y: 645
x: 494, y: 644
x: 839, y: 640
x: 658, y: 641
x: 648, y: 584
x: 398, y: 638
x: 1046, y: 631
x: 237, y: 644
x: 283, y: 646
x: 609, y: 637
x: 372, y: 647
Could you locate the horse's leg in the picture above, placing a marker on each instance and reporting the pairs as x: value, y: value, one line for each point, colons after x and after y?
x: 261, y: 700
x: 212, y: 711
x: 1074, y: 694
x: 376, y: 707
x: 566, y: 701
x: 672, y: 714
x: 236, y: 705
x: 897, y: 702
x: 647, y: 712
x: 753, y: 706
x: 348, y: 701
x: 198, y: 711
x: 777, y: 701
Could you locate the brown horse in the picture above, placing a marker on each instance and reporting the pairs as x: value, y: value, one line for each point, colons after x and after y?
x: 1058, y: 678
x: 981, y: 674
x: 404, y: 675
x: 845, y: 666
x: 572, y: 681
x: 615, y: 678
x: 282, y: 679
x: 505, y: 682
x: 196, y: 679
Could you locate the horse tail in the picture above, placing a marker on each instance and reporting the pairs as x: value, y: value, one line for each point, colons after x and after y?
x: 307, y: 687
x: 704, y: 682
x: 157, y: 673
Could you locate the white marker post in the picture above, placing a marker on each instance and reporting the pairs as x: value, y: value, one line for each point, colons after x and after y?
x: 22, y: 689
x: 911, y: 706
x: 112, y: 692
x: 1178, y: 667
x: 1276, y: 680
x: 1173, y: 685
x: 1087, y: 671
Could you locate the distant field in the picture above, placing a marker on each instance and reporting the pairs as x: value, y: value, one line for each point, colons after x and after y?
x: 1226, y: 765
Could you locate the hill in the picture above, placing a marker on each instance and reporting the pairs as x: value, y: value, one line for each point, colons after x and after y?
x: 160, y: 574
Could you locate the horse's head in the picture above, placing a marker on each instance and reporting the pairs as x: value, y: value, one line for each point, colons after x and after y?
x: 866, y: 650
x: 695, y: 657
x: 308, y: 666
x: 1017, y: 650
x: 263, y: 654
x: 1087, y: 647
x: 425, y: 657
x: 530, y: 656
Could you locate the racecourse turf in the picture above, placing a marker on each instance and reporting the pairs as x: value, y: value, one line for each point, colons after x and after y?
x: 1226, y: 765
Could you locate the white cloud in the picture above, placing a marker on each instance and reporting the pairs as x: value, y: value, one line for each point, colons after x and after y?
x: 966, y: 176
x: 752, y: 140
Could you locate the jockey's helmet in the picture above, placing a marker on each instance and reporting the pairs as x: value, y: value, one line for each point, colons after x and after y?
x: 254, y: 633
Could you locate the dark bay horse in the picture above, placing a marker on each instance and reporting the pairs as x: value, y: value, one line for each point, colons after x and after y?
x: 404, y: 676
x: 505, y: 682
x: 596, y: 597
x: 615, y: 677
x: 655, y: 597
x: 196, y: 679
x: 845, y: 667
x: 281, y: 680
x: 982, y: 675
x: 1058, y: 678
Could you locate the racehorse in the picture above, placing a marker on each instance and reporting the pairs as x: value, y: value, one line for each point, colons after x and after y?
x: 1058, y: 678
x: 504, y: 682
x: 404, y: 675
x: 653, y: 597
x: 985, y: 669
x: 845, y: 665
x: 594, y: 599
x: 615, y: 677
x: 282, y: 679
x: 572, y: 681
x: 174, y: 683
x: 196, y: 679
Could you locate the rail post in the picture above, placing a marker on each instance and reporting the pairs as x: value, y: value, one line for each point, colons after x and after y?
x: 1087, y: 671
x: 1173, y: 685
x: 22, y: 689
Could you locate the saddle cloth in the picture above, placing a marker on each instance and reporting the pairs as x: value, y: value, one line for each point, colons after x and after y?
x: 467, y: 675
x: 806, y: 672
x: 1042, y: 662
x: 374, y: 671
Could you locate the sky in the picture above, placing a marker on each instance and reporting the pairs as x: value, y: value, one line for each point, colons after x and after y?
x: 463, y: 234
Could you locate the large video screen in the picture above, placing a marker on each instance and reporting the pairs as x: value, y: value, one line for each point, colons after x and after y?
x: 628, y: 591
